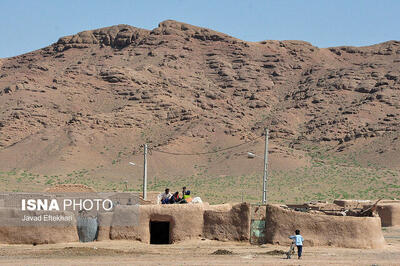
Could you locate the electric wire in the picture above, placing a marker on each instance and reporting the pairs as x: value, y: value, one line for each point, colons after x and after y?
x: 209, y: 152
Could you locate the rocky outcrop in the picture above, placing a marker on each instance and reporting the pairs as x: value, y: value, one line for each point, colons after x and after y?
x: 118, y: 36
x: 197, y: 83
x: 172, y: 27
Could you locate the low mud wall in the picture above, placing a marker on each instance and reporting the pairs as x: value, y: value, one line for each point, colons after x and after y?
x: 105, y: 221
x: 389, y: 213
x: 222, y: 223
x: 351, y: 204
x: 132, y: 222
x: 12, y: 233
x: 323, y: 230
x: 37, y: 235
x: 186, y: 221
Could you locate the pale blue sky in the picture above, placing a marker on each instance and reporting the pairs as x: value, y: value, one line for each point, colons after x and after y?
x: 30, y: 25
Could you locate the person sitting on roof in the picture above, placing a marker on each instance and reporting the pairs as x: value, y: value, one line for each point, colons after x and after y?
x: 164, y: 197
x: 175, y: 198
x: 186, y: 197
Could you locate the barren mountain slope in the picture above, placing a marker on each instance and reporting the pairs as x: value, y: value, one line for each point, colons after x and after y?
x: 91, y: 99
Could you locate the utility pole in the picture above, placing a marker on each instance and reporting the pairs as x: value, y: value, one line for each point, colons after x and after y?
x: 145, y: 173
x: 265, y: 177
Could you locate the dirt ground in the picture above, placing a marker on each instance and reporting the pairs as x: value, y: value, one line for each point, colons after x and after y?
x: 195, y: 252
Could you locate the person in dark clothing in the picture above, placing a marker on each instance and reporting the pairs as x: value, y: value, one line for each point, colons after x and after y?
x: 175, y: 198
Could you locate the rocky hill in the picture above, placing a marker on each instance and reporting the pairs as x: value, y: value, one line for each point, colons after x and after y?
x: 90, y: 100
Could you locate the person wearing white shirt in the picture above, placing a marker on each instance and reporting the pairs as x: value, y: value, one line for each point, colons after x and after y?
x: 164, y: 197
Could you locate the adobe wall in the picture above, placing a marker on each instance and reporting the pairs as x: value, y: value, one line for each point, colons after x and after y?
x: 258, y: 212
x: 351, y: 204
x: 12, y: 233
x: 323, y: 230
x: 225, y: 224
x: 222, y: 222
x: 186, y: 221
x: 37, y: 235
x: 105, y: 221
x: 389, y: 213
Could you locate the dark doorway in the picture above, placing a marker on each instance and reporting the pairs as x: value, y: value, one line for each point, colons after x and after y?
x: 159, y: 232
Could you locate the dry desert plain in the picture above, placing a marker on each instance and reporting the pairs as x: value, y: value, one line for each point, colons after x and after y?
x: 195, y: 252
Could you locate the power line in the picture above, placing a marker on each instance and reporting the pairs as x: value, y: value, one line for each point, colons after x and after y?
x: 210, y: 152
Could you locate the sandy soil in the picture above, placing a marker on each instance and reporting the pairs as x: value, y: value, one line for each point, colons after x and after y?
x: 195, y: 252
